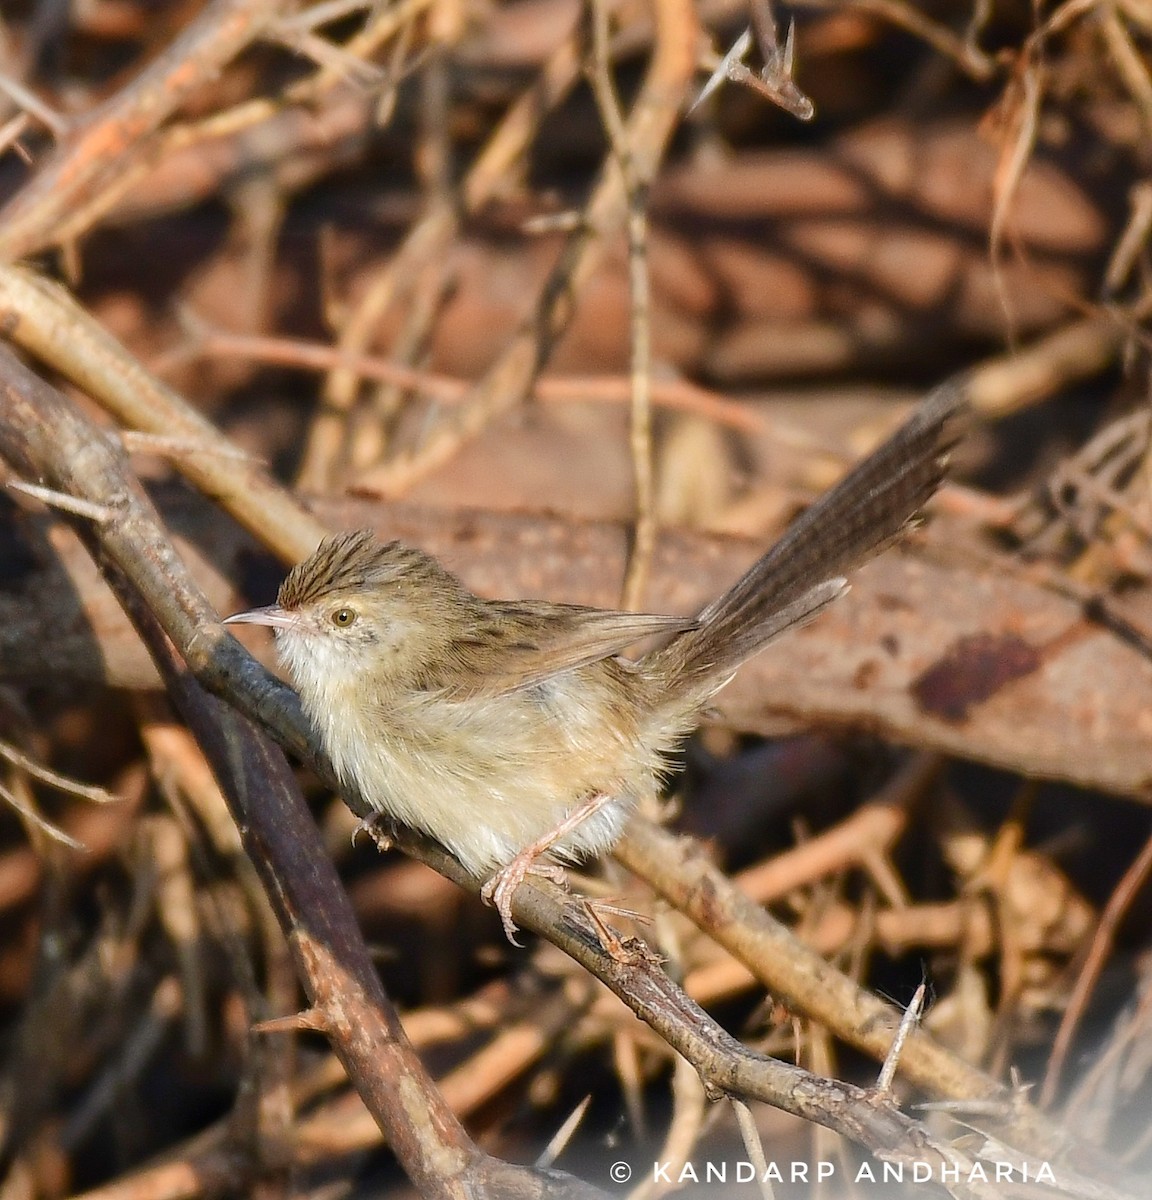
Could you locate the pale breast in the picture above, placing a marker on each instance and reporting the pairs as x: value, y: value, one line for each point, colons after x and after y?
x: 487, y: 777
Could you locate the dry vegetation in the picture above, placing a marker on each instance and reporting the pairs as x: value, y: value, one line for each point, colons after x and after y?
x: 476, y: 274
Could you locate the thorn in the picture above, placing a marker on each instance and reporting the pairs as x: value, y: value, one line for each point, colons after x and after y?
x: 560, y: 1139
x: 164, y: 445
x: 789, y: 49
x: 310, y: 1019
x: 100, y: 513
x: 557, y: 222
x: 723, y: 70
x: 774, y: 81
x: 910, y: 1019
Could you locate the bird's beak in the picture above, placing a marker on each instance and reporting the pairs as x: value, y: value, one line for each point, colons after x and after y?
x: 270, y: 614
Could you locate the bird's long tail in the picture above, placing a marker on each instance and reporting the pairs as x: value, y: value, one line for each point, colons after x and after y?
x: 804, y: 571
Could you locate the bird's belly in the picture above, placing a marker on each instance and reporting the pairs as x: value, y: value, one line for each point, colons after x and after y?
x: 486, y: 781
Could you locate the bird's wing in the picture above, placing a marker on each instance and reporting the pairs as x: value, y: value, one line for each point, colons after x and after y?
x: 524, y: 643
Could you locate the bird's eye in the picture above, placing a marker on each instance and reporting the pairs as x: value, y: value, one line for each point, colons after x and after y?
x: 343, y: 617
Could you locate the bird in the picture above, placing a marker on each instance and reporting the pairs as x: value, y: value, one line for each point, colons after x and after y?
x: 516, y: 732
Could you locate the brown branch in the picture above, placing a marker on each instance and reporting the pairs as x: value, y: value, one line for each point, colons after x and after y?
x: 680, y: 871
x: 963, y: 53
x: 1031, y: 373
x: 870, y: 831
x: 723, y: 1062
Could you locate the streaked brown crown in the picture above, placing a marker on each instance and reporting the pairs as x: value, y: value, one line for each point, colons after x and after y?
x: 348, y: 562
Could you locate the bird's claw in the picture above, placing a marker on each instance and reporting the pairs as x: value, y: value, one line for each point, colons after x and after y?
x: 500, y: 889
x: 371, y: 825
x: 498, y: 892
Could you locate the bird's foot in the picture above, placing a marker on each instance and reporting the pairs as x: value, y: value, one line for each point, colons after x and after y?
x: 373, y: 825
x: 500, y: 889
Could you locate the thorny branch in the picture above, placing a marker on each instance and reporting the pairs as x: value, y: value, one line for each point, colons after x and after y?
x: 42, y: 435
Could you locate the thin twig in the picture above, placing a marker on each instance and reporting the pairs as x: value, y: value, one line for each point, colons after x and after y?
x: 639, y: 322
x: 1098, y: 951
x: 681, y: 872
x: 446, y: 389
x: 968, y: 57
x: 62, y: 783
x: 48, y: 322
x: 33, y: 105
x: 754, y: 1147
x: 11, y: 132
x: 37, y: 820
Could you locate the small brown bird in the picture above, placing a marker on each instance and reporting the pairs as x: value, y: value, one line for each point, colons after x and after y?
x: 514, y: 730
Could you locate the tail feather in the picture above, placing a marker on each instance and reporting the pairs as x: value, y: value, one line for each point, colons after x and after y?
x: 868, y: 510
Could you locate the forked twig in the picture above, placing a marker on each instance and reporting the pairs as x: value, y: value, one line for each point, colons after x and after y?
x: 774, y: 81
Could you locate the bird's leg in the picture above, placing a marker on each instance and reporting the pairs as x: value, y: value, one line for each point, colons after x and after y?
x: 500, y: 889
